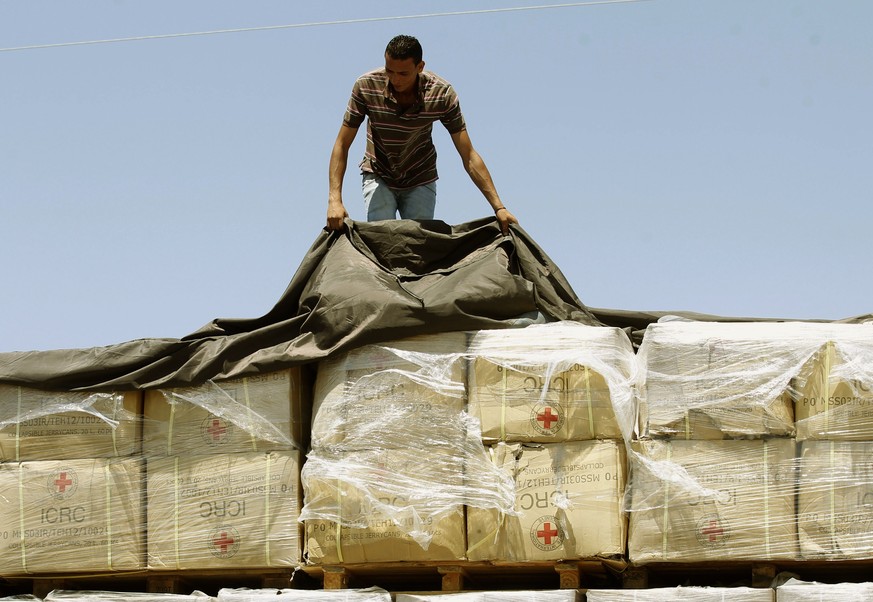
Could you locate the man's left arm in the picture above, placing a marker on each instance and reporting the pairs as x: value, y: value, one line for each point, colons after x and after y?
x: 478, y: 171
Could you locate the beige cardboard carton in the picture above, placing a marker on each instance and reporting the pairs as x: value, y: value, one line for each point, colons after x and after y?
x: 682, y: 594
x: 71, y: 516
x: 795, y: 590
x: 550, y: 383
x: 224, y: 511
x: 568, y: 499
x: 560, y: 595
x: 835, y: 500
x: 60, y: 595
x: 528, y: 403
x: 834, y: 392
x: 390, y: 393
x: 43, y: 425
x: 720, y: 380
x: 252, y: 414
x: 384, y: 505
x: 695, y: 501
x: 370, y: 594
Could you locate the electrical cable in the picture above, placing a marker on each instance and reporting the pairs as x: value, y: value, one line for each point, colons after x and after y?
x: 319, y: 24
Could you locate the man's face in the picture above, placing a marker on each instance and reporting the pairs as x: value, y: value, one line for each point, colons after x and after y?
x: 402, y: 73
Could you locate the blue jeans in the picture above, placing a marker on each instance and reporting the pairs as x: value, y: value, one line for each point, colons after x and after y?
x: 382, y: 202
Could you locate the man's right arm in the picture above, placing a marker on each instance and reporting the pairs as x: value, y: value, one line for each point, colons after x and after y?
x: 339, y: 157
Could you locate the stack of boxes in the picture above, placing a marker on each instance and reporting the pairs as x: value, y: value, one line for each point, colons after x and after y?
x: 394, y: 455
x: 553, y: 401
x: 744, y: 441
x: 223, y: 465
x: 70, y: 482
x: 202, y: 477
x: 517, y: 429
x: 755, y: 443
x: 713, y: 473
x: 834, y: 394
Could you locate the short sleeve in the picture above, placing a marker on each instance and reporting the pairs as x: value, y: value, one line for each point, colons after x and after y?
x: 452, y: 118
x: 356, y: 109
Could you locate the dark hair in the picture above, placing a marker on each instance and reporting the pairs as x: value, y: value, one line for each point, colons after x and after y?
x: 404, y: 47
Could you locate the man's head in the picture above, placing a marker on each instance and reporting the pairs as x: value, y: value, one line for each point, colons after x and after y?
x: 404, y: 47
x: 403, y: 63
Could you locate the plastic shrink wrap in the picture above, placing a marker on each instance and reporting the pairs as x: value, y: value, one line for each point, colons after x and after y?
x: 835, y: 500
x: 705, y: 380
x: 683, y: 594
x: 77, y: 497
x: 568, y: 503
x: 223, y: 472
x: 372, y: 594
x: 223, y: 466
x: 795, y: 590
x: 60, y: 595
x: 497, y: 596
x: 260, y: 413
x: 551, y: 383
x: 42, y: 425
x: 394, y: 455
x: 694, y: 501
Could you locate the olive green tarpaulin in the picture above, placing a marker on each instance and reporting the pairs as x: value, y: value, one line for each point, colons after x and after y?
x: 372, y: 282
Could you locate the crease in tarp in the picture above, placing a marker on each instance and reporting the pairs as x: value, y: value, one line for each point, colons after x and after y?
x: 369, y: 283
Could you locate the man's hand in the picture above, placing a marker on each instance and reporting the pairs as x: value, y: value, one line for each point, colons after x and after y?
x: 504, y: 217
x: 336, y: 213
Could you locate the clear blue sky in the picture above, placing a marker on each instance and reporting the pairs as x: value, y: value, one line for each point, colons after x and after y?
x: 702, y: 155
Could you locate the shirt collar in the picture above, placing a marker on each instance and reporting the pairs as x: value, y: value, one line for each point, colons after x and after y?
x: 423, y: 80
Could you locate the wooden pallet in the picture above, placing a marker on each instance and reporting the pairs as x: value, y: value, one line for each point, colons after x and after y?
x: 462, y: 575
x: 749, y: 573
x: 175, y: 582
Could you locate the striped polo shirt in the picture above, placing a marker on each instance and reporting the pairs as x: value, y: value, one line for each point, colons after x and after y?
x: 400, y: 148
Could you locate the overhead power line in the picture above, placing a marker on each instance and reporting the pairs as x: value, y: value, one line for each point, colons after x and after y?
x: 318, y: 24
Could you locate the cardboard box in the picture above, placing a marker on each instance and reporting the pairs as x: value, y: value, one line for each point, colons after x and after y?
x: 385, y: 395
x: 795, y: 590
x: 565, y: 595
x: 253, y: 414
x: 43, y: 425
x: 696, y: 501
x: 71, y: 516
x: 60, y: 595
x: 719, y: 380
x: 835, y: 500
x: 224, y: 511
x: 682, y: 594
x: 551, y: 383
x: 370, y: 594
x: 569, y: 503
x: 384, y: 505
x: 834, y: 392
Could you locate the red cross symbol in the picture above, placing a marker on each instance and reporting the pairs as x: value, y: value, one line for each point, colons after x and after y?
x: 547, y: 418
x: 547, y: 533
x: 216, y: 429
x: 63, y: 482
x: 223, y: 541
x: 713, y: 530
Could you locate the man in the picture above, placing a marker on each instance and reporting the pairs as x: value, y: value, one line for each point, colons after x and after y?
x: 401, y: 102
